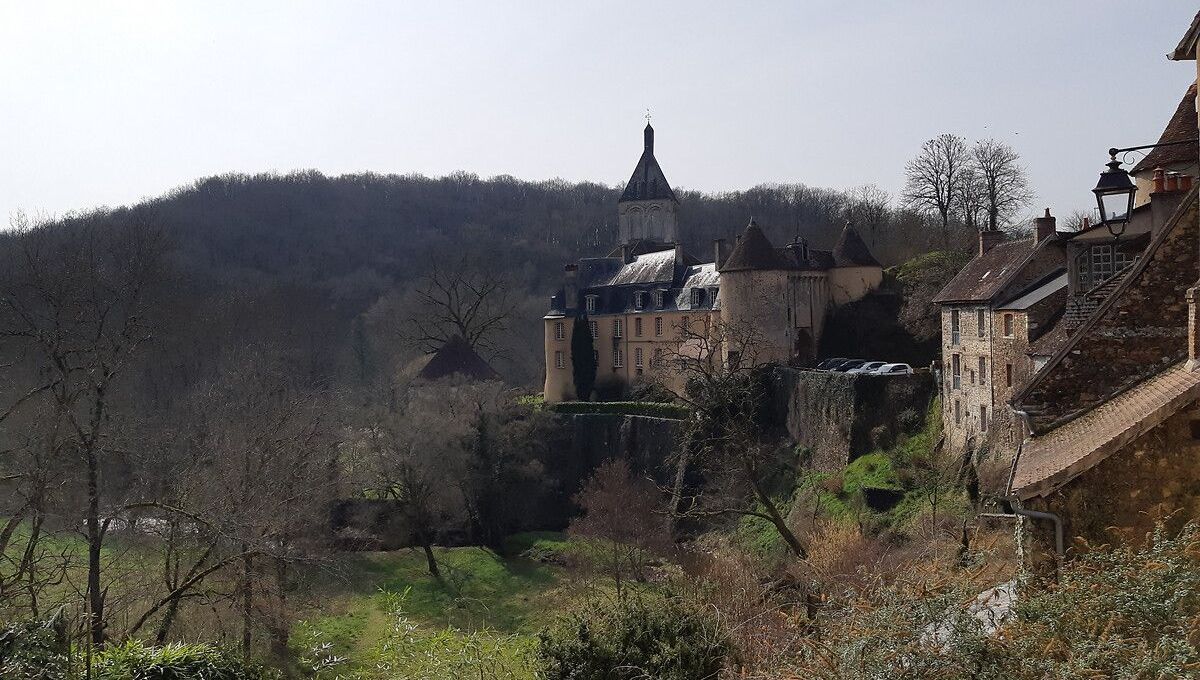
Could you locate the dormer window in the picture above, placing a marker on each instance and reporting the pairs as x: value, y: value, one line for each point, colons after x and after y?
x: 639, y: 300
x: 589, y: 302
x: 697, y: 297
x: 659, y: 295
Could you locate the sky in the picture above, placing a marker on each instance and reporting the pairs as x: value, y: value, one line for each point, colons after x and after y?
x: 106, y: 103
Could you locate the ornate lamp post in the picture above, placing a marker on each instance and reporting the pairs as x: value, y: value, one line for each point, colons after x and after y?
x: 1114, y: 194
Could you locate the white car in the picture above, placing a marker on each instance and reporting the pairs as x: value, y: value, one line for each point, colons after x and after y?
x: 869, y: 367
x: 893, y: 369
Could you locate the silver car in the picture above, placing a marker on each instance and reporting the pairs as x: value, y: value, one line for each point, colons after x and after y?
x: 893, y: 369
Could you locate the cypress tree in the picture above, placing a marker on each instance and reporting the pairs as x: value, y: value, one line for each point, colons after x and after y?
x: 583, y: 362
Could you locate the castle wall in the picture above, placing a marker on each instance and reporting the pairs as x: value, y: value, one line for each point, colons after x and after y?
x: 757, y: 299
x: 560, y: 381
x: 848, y: 284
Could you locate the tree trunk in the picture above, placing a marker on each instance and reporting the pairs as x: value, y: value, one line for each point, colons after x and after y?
x: 95, y: 541
x: 247, y: 575
x: 427, y: 546
x: 777, y: 519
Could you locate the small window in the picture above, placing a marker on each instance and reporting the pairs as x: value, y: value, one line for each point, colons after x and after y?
x: 956, y: 371
x: 637, y: 357
x: 971, y: 373
x: 957, y: 412
x: 639, y: 299
x: 559, y: 360
x: 590, y: 303
x: 616, y: 328
x: 697, y: 297
x: 658, y: 325
x: 983, y: 419
x: 594, y: 327
x: 982, y: 371
x: 637, y: 327
x: 1008, y: 325
x: 659, y: 296
x: 1008, y: 375
x: 656, y: 358
x: 618, y: 358
x: 981, y: 319
x: 560, y: 330
x: 954, y: 327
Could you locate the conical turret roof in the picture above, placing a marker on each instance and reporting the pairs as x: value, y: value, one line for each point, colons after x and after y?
x: 852, y: 251
x: 753, y: 251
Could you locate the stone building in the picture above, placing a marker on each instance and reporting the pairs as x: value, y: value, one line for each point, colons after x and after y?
x: 1004, y: 299
x: 1113, y: 419
x: 649, y: 300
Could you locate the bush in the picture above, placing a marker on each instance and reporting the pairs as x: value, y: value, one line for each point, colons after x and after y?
x: 35, y: 650
x: 626, y: 408
x: 135, y: 661
x: 636, y: 637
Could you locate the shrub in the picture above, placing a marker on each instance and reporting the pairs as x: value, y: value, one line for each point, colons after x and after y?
x: 135, y: 661
x: 36, y: 650
x: 636, y: 637
x: 626, y: 408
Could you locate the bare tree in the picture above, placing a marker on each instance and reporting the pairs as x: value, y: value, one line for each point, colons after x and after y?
x: 469, y: 298
x: 1005, y: 184
x: 76, y: 298
x: 868, y: 207
x: 972, y: 206
x: 934, y: 179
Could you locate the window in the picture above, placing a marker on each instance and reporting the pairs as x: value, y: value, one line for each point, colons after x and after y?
x: 971, y: 373
x: 639, y: 299
x: 1008, y: 375
x: 981, y: 320
x: 616, y: 328
x: 559, y: 360
x: 658, y: 325
x: 982, y: 371
x: 618, y: 358
x: 656, y: 359
x: 957, y: 412
x: 590, y: 303
x: 697, y: 297
x: 594, y: 327
x: 954, y: 327
x: 983, y: 419
x: 658, y: 298
x: 560, y: 330
x: 1102, y: 264
x: 956, y: 371
x: 637, y: 357
x: 637, y: 327
x: 686, y: 324
x: 1008, y: 325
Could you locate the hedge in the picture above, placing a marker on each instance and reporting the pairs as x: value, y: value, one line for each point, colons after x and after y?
x: 626, y: 408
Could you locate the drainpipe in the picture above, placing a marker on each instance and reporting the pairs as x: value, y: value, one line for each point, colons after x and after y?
x: 1038, y: 514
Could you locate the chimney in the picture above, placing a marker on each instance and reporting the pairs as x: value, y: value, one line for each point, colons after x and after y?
x: 627, y: 253
x: 1185, y: 183
x: 1193, y: 300
x: 1044, y: 227
x: 679, y: 260
x: 988, y: 238
x: 1160, y: 181
x: 570, y: 286
x: 1169, y: 189
x: 1172, y: 181
x: 1087, y: 223
x: 720, y: 252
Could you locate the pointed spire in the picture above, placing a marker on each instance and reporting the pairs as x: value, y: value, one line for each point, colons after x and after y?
x: 649, y: 135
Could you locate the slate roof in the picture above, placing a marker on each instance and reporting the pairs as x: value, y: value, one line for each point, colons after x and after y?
x: 753, y: 252
x: 984, y: 276
x: 1048, y: 462
x: 648, y: 183
x: 1181, y: 126
x: 616, y: 284
x: 457, y: 357
x: 1040, y: 290
x: 851, y: 251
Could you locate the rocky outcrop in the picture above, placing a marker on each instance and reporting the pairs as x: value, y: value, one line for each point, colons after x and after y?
x: 838, y: 417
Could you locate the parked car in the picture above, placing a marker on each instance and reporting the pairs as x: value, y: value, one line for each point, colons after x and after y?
x: 893, y: 369
x: 828, y: 364
x: 868, y: 367
x: 845, y: 366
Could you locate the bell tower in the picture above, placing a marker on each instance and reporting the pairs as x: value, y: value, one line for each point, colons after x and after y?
x: 648, y: 209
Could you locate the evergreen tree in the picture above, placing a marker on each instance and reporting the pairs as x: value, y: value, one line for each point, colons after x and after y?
x: 583, y: 358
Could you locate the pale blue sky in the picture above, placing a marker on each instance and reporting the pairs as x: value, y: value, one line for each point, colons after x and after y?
x: 107, y: 102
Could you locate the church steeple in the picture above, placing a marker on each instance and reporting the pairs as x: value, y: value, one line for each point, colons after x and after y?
x: 648, y: 206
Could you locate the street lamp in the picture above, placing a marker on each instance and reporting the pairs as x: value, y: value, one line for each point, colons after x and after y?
x: 1114, y: 194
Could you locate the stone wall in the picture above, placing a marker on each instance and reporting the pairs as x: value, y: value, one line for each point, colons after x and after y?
x: 1141, y: 331
x: 839, y: 417
x: 1152, y: 478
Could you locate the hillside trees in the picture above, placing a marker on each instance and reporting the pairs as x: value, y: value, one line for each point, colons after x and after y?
x: 934, y: 179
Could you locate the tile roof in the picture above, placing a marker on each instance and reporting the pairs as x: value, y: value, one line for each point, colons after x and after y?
x: 1181, y: 126
x: 851, y: 251
x: 1047, y: 462
x: 753, y: 251
x: 985, y: 275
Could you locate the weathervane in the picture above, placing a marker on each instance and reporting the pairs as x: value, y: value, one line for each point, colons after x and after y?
x: 647, y: 116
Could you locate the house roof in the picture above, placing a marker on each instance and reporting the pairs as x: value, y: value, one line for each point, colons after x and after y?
x: 1186, y: 49
x: 648, y: 183
x: 753, y: 251
x: 457, y: 357
x: 1040, y: 290
x: 985, y: 275
x: 851, y: 251
x: 1048, y: 462
x: 1181, y: 126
